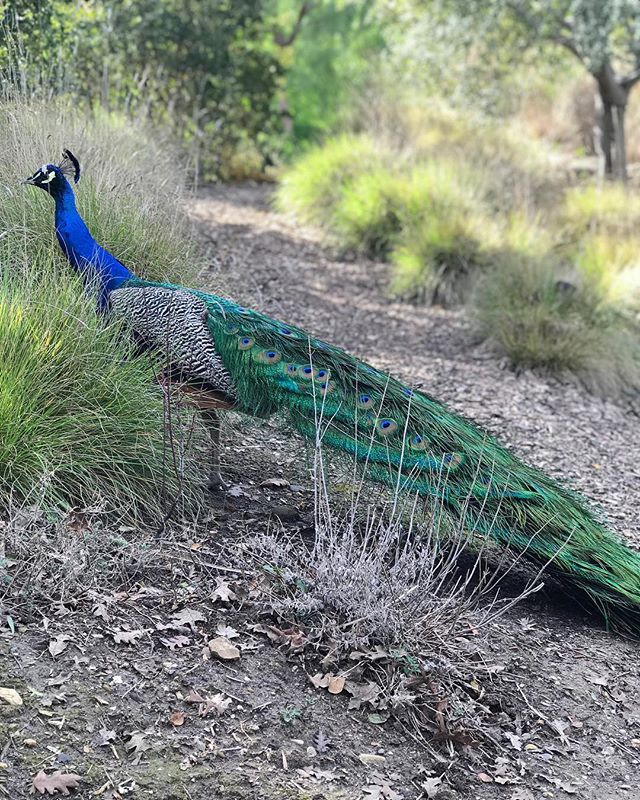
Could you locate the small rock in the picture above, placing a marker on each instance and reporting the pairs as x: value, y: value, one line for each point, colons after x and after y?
x: 285, y: 513
x: 10, y: 696
x: 222, y: 647
x: 371, y: 758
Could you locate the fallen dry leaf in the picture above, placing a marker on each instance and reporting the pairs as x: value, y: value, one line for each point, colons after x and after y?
x: 333, y: 683
x: 59, y: 644
x: 10, y: 696
x: 431, y: 787
x: 177, y: 718
x: 104, y: 737
x: 290, y: 636
x: 174, y: 642
x: 227, y: 631
x: 223, y: 591
x: 128, y: 637
x: 482, y: 776
x: 137, y: 745
x: 321, y: 741
x: 275, y: 483
x: 100, y: 610
x: 188, y: 617
x: 381, y: 789
x: 57, y: 782
x: 194, y: 697
x: 361, y: 693
x: 222, y: 647
x: 218, y: 704
x: 516, y: 741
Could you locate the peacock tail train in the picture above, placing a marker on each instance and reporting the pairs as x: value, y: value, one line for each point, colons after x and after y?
x: 403, y: 437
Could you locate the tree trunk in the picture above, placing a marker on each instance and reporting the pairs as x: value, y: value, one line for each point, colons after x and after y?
x: 609, y: 136
x: 620, y: 161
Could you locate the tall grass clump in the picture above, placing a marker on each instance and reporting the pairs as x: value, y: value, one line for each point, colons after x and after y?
x: 421, y: 189
x: 439, y: 252
x: 609, y: 208
x: 564, y: 326
x: 314, y: 185
x: 80, y: 418
x: 130, y: 193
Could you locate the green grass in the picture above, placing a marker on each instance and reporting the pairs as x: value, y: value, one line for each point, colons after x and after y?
x: 439, y: 251
x: 80, y: 419
x: 370, y: 212
x: 314, y: 185
x: 609, y: 209
x: 130, y: 192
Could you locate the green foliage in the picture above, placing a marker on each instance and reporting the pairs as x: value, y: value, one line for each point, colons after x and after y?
x: 80, y: 419
x: 204, y: 68
x: 450, y: 199
x: 610, y: 209
x: 314, y: 185
x: 437, y: 260
x: 605, y: 222
x: 369, y: 214
x: 330, y: 61
x: 372, y: 197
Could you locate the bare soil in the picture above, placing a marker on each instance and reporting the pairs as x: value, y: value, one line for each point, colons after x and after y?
x: 122, y: 702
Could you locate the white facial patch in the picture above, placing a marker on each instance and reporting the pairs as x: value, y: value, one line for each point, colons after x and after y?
x: 49, y: 177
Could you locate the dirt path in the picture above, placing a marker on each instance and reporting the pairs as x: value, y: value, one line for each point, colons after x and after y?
x: 104, y: 633
x: 578, y: 678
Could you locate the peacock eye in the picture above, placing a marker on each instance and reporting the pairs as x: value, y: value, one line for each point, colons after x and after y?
x: 269, y: 356
x: 387, y: 426
x: 307, y: 371
x: 245, y: 343
x: 417, y: 442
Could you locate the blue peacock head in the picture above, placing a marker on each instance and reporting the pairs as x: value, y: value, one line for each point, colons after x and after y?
x: 53, y: 177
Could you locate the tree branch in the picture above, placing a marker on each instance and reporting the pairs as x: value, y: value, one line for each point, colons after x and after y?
x: 567, y: 43
x: 281, y: 38
x: 628, y: 81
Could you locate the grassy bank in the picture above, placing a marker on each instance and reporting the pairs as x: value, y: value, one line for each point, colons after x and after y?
x: 80, y: 421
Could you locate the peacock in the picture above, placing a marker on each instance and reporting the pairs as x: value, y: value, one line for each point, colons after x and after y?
x: 226, y: 356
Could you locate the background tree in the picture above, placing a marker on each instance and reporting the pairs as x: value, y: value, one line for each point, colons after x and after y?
x: 206, y: 68
x: 604, y: 35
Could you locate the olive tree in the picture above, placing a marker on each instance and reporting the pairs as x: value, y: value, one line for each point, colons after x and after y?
x: 604, y: 35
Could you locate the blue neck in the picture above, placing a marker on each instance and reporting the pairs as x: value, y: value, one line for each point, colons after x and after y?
x: 98, y: 267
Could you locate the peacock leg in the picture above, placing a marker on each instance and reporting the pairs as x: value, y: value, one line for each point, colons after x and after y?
x: 211, y: 420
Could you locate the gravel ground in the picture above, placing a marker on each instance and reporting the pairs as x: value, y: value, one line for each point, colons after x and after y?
x: 266, y: 260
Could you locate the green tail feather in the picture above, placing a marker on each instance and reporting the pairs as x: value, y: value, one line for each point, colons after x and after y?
x: 407, y: 435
